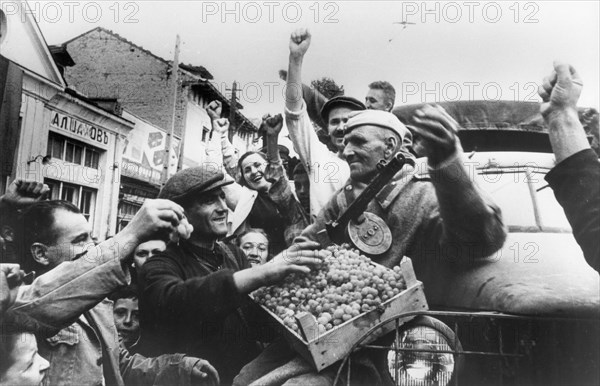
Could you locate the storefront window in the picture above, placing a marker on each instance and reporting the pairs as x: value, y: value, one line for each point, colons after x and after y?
x: 73, y: 151
x: 87, y: 202
x: 84, y: 198
x: 92, y: 158
x: 56, y: 145
x: 70, y: 193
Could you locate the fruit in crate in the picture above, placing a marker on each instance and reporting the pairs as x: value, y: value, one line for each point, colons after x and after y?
x: 346, y: 285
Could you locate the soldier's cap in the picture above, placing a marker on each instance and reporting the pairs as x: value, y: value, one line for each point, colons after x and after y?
x: 376, y: 118
x: 340, y: 101
x: 193, y: 182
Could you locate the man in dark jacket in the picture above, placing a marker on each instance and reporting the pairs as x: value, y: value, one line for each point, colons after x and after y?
x: 576, y: 177
x: 193, y: 296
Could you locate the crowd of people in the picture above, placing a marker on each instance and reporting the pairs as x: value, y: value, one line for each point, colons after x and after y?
x: 165, y: 301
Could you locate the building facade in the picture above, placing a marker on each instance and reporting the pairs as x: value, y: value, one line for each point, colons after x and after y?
x: 110, y: 67
x: 54, y: 135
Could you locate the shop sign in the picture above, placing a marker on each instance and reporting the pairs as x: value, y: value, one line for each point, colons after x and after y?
x: 137, y: 171
x: 96, y: 135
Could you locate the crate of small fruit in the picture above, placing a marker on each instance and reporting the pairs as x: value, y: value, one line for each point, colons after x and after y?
x: 323, y: 314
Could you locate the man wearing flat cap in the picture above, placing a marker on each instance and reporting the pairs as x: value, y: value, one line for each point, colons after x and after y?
x: 193, y: 295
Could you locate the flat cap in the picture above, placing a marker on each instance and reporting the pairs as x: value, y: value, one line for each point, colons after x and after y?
x: 376, y: 118
x: 340, y: 101
x: 193, y: 181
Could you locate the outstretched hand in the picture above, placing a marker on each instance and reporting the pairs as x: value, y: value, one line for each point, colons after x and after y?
x: 437, y: 130
x: 157, y: 218
x: 560, y: 90
x: 299, y: 42
x: 298, y: 258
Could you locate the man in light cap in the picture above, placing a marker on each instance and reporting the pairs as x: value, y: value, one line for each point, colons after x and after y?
x: 442, y: 210
x: 437, y: 217
x: 193, y: 294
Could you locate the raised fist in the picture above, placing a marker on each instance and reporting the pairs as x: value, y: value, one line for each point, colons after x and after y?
x: 560, y: 91
x: 214, y: 109
x: 437, y: 130
x: 271, y: 126
x: 21, y: 193
x: 299, y: 42
x: 221, y: 125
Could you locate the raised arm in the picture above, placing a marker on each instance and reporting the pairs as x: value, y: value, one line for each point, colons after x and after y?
x: 272, y: 127
x: 560, y: 92
x: 574, y: 179
x: 219, y: 150
x: 54, y: 300
x: 467, y: 216
x: 280, y: 190
x: 299, y: 43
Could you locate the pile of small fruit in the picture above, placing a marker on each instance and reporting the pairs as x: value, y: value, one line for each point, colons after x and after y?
x: 346, y: 285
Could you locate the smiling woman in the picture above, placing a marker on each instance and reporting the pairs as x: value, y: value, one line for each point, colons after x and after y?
x: 263, y: 198
x: 266, y: 209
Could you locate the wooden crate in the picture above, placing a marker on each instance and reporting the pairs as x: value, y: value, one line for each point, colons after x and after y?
x: 322, y: 350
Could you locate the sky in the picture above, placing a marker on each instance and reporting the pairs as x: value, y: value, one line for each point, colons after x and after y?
x: 463, y: 50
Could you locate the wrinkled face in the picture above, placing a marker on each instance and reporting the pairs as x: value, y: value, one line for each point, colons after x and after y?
x: 256, y: 247
x: 253, y: 170
x: 338, y: 116
x: 302, y: 185
x: 376, y: 100
x: 208, y: 215
x: 146, y: 250
x: 365, y: 146
x: 73, y: 237
x: 28, y: 367
x: 126, y: 314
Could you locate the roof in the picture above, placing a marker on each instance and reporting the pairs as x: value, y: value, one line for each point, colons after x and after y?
x: 199, y: 70
x: 195, y: 71
x: 200, y: 73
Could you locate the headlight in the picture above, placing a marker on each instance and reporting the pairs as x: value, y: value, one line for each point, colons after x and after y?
x: 416, y: 360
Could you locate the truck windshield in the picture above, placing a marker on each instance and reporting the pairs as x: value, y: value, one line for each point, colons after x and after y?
x: 527, y: 203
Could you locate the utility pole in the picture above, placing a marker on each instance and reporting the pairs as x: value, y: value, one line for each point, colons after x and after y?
x: 167, y: 157
x: 232, y: 111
